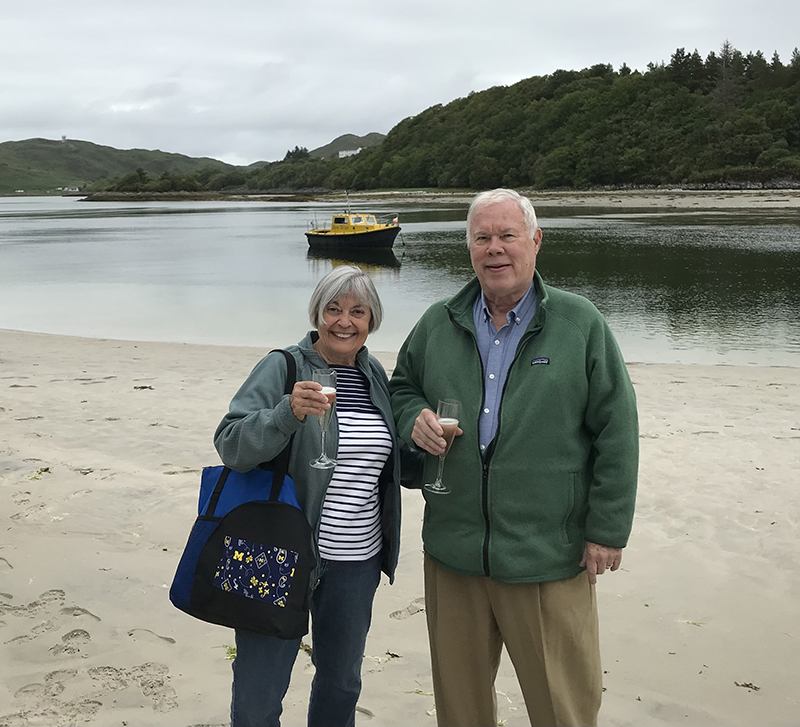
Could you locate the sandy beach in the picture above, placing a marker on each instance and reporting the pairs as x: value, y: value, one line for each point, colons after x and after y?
x: 101, y: 444
x: 663, y: 200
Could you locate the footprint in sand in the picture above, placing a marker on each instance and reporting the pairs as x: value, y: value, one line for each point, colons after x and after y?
x: 50, y: 711
x: 40, y: 628
x: 78, y: 611
x: 109, y: 678
x: 60, y: 675
x: 23, y: 497
x: 71, y: 642
x: 152, y: 680
x: 148, y: 635
x: 29, y: 512
x: 34, y: 608
x: 416, y: 606
x: 53, y: 686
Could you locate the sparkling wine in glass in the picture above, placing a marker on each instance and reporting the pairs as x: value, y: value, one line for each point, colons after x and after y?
x: 447, y: 413
x: 328, y: 380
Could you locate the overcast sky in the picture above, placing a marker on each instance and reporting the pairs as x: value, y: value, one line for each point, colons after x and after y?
x: 246, y: 80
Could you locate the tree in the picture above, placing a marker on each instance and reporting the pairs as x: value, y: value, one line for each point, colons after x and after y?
x: 296, y: 154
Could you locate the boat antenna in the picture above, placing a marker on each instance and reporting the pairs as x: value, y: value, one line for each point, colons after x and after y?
x: 347, y: 197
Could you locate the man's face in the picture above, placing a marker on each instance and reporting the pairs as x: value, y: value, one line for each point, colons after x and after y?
x: 502, y: 251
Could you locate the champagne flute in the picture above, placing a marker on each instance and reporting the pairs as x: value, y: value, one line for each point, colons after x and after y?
x: 328, y: 380
x: 447, y: 414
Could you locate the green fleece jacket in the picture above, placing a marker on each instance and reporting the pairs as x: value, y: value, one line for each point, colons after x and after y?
x: 562, y: 467
x: 260, y: 423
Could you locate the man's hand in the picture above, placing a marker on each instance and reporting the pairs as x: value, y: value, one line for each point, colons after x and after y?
x: 597, y: 559
x: 427, y: 433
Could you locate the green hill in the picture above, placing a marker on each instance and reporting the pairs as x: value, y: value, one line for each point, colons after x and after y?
x: 44, y: 165
x: 346, y: 142
x: 728, y: 119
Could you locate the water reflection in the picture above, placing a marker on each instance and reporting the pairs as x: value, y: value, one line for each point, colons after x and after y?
x: 724, y: 287
x: 711, y: 288
x: 366, y: 259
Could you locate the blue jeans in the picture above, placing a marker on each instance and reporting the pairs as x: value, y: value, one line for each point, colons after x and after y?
x: 341, y: 612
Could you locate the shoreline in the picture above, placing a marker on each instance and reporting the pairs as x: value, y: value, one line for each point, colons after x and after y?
x: 385, y: 356
x: 668, y: 198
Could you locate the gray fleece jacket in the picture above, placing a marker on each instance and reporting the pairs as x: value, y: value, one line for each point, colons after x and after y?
x: 260, y: 423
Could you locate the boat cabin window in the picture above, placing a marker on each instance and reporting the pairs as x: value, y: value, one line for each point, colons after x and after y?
x: 370, y: 220
x: 357, y: 220
x: 339, y: 220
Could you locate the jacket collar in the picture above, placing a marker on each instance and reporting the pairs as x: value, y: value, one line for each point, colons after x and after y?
x: 460, y: 305
x: 307, y: 348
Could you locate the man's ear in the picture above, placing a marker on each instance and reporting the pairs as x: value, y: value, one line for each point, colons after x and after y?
x: 537, y: 238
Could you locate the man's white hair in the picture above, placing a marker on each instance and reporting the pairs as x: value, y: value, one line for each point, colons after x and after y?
x: 493, y: 196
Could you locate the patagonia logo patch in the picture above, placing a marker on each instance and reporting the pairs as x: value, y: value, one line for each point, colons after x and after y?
x: 541, y: 360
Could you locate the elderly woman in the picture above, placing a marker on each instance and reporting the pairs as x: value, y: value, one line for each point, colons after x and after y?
x: 353, y: 508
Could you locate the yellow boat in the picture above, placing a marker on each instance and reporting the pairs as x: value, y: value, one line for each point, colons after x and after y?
x: 356, y: 230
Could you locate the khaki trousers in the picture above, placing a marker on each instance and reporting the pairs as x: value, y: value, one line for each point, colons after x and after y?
x: 549, y: 630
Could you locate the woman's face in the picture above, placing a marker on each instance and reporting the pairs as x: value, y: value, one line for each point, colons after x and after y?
x: 343, y: 331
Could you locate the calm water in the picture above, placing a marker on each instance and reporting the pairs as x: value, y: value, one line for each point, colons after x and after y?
x: 675, y: 287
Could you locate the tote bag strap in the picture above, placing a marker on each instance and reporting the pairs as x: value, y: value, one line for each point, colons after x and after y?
x: 281, y: 462
x: 279, y: 465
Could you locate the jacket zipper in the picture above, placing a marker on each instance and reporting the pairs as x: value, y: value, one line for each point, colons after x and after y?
x: 486, y: 459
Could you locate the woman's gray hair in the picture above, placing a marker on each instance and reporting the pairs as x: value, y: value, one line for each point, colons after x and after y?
x: 340, y: 282
x: 493, y: 196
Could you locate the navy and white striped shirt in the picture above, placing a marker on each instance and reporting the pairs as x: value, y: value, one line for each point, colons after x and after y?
x: 350, y: 524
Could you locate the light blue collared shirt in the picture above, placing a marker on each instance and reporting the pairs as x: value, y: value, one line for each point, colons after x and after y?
x: 497, y: 350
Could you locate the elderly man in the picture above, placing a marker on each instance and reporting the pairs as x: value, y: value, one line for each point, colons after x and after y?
x: 541, y: 477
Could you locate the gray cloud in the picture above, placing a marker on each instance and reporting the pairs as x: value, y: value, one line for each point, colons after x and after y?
x: 246, y: 81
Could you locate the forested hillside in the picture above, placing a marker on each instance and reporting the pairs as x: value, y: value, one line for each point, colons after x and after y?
x: 728, y: 118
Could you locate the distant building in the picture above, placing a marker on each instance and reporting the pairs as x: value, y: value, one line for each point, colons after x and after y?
x: 349, y: 152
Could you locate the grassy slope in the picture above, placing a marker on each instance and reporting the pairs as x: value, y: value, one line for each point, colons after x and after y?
x: 42, y: 165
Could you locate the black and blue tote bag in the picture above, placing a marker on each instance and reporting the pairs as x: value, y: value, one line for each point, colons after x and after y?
x: 250, y: 554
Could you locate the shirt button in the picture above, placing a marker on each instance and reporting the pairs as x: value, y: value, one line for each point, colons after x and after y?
x: 491, y: 376
x: 519, y: 320
x: 483, y: 446
x: 497, y: 343
x: 485, y: 411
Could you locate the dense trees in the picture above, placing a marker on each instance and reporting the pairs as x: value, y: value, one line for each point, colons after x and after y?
x: 728, y: 118
x: 299, y: 152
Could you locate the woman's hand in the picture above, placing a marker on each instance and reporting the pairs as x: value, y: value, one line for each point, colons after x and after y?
x: 307, y: 398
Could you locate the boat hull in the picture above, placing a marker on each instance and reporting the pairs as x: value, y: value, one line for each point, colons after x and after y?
x: 382, y: 239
